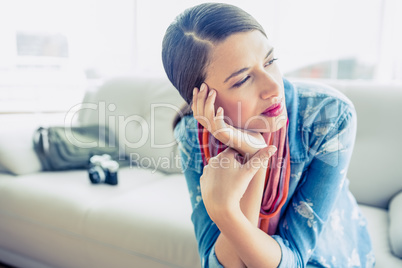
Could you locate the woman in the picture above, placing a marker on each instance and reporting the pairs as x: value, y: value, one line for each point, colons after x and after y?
x: 265, y: 160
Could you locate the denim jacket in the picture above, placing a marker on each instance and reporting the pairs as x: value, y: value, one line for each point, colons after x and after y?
x: 320, y: 223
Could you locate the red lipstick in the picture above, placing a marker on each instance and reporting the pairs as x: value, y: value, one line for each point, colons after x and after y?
x: 274, y: 110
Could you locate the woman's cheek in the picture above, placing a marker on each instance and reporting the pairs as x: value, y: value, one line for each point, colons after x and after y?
x: 217, y: 104
x: 230, y: 108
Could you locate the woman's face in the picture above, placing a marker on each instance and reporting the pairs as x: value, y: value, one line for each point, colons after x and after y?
x: 246, y: 78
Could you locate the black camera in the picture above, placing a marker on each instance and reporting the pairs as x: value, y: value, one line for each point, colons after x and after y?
x: 102, y: 169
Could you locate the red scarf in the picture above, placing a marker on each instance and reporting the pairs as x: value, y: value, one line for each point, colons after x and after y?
x: 277, y: 176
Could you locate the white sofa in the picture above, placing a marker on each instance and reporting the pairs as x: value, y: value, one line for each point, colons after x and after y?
x: 60, y: 219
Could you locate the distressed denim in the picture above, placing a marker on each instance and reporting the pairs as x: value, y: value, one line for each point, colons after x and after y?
x: 320, y: 223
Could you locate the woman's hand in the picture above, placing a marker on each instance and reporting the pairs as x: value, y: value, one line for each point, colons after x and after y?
x: 223, y: 184
x: 244, y: 141
x: 225, y: 180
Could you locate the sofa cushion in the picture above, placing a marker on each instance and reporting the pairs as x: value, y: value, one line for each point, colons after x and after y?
x: 144, y: 220
x: 378, y: 227
x: 395, y: 224
x: 141, y: 112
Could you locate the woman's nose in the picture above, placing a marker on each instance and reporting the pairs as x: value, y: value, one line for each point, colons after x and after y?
x: 269, y: 87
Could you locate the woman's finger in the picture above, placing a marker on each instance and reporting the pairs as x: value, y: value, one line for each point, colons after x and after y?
x: 210, y: 109
x: 222, y: 129
x: 201, y: 97
x: 260, y: 159
x: 194, y: 105
x: 228, y: 152
x: 226, y: 132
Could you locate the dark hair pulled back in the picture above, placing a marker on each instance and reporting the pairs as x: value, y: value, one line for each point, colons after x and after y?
x: 189, y: 40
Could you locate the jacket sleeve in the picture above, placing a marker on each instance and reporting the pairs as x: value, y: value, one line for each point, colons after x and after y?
x: 330, y: 148
x: 206, y: 231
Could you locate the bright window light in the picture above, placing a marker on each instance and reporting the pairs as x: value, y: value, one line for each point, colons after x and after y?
x: 51, y: 51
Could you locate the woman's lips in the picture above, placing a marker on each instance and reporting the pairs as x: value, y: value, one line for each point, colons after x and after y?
x: 274, y: 110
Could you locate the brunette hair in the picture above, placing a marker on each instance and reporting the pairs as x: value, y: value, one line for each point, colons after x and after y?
x: 189, y: 39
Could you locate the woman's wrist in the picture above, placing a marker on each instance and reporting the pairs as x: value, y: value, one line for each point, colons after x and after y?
x: 244, y: 141
x: 251, y: 246
x: 224, y: 215
x: 247, y: 146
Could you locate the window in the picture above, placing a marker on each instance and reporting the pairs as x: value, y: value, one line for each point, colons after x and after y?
x: 51, y: 51
x: 333, y: 39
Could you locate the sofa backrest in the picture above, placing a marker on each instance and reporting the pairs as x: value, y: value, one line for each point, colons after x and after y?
x: 140, y: 111
x: 375, y: 171
x: 147, y: 106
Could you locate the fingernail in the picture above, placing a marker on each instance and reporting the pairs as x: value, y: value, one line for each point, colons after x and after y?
x: 211, y: 93
x: 194, y: 91
x: 202, y: 87
x: 219, y: 110
x: 272, y: 150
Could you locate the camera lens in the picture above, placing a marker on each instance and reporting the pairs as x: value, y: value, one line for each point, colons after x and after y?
x: 96, y: 174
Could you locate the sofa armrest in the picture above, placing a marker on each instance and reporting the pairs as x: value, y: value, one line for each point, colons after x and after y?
x: 17, y: 154
x: 395, y: 220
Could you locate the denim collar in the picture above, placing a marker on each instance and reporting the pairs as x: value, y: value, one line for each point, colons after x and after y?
x: 298, y: 152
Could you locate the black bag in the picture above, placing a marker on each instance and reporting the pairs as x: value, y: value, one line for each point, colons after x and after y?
x: 61, y: 148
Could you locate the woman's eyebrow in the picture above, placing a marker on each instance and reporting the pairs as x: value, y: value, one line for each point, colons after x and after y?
x: 246, y: 68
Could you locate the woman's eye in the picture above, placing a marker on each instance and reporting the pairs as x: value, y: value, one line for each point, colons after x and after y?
x: 238, y: 84
x: 270, y: 62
